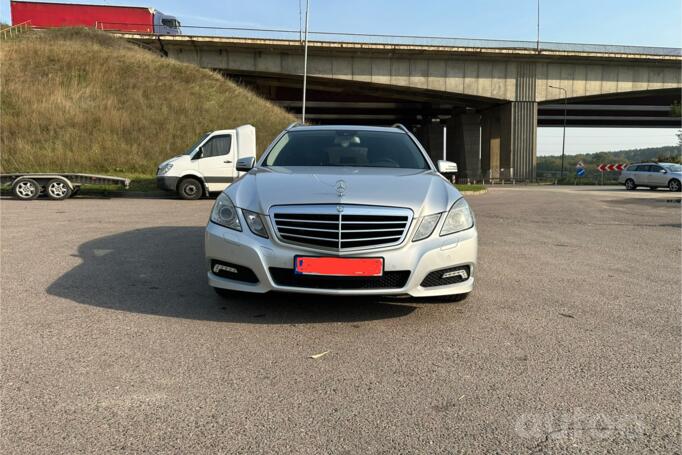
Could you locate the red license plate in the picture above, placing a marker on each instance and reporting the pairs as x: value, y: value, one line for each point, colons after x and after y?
x: 338, y: 266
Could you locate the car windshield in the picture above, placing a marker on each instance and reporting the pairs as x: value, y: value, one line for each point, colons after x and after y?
x: 353, y: 148
x: 672, y: 167
x: 194, y: 146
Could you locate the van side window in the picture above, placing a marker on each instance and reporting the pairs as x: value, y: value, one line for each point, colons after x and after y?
x: 217, y: 146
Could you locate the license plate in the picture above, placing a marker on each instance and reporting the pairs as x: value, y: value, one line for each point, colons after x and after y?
x: 331, y: 266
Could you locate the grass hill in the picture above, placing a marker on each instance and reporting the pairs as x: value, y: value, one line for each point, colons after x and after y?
x: 81, y: 100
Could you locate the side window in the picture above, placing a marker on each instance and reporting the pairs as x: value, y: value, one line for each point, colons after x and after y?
x: 217, y: 146
x: 655, y: 168
x: 643, y: 168
x: 633, y: 168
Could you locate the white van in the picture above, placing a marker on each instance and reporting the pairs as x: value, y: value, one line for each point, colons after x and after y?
x: 209, y: 165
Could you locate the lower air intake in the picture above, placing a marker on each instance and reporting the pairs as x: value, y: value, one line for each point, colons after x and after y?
x: 389, y: 280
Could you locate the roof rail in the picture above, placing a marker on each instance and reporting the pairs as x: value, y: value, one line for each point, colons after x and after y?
x: 401, y: 126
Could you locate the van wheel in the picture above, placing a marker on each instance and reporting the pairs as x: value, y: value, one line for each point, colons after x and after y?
x: 190, y: 189
x: 674, y: 185
x: 57, y: 190
x: 26, y: 189
x: 630, y: 185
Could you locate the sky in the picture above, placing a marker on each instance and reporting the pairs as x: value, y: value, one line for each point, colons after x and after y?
x: 626, y: 22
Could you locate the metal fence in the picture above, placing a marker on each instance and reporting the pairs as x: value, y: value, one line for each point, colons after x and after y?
x: 14, y: 30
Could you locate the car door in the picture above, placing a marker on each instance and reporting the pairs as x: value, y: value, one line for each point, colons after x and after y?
x: 657, y: 176
x: 641, y: 177
x: 216, y: 162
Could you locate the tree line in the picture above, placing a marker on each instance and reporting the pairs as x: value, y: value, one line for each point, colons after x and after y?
x: 669, y: 154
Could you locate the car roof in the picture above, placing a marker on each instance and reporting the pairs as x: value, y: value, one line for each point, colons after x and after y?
x: 386, y: 129
x: 649, y: 162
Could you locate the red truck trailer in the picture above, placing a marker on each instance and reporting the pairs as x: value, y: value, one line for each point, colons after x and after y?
x: 104, y: 17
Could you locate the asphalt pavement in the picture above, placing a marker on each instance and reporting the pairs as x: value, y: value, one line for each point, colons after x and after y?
x: 111, y: 340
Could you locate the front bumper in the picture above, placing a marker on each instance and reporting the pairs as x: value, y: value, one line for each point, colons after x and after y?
x: 418, y: 258
x: 167, y: 183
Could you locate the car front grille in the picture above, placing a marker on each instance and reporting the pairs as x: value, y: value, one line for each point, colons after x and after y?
x: 389, y: 280
x: 341, y: 227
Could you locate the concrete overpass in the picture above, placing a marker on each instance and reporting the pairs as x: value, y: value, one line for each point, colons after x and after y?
x: 490, y: 99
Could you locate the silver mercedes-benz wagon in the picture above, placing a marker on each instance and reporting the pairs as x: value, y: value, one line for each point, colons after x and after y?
x: 344, y: 210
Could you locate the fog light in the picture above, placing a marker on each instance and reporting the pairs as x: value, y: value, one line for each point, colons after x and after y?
x: 218, y: 267
x: 453, y: 273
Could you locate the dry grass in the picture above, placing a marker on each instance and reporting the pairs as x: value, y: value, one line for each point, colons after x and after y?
x: 78, y: 100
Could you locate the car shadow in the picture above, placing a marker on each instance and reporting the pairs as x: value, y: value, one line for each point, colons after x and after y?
x: 161, y: 271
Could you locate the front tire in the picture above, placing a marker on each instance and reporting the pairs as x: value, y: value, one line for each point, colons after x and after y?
x: 190, y: 189
x: 57, y: 190
x: 26, y: 189
x: 674, y: 185
x: 630, y: 185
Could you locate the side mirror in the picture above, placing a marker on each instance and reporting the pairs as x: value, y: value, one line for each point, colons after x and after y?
x: 246, y: 164
x: 446, y: 167
x: 663, y: 171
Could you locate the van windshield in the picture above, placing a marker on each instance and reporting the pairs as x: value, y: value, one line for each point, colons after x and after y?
x: 352, y: 148
x: 194, y: 146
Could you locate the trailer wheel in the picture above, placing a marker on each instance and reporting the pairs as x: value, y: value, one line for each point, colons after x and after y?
x: 25, y: 189
x: 57, y: 189
x: 190, y: 189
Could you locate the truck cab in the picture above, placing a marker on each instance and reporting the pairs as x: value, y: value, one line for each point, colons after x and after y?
x: 209, y: 165
x: 165, y: 24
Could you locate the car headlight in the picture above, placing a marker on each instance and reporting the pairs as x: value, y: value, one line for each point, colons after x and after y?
x: 224, y: 213
x: 255, y: 223
x: 426, y: 227
x: 164, y: 169
x: 459, y: 218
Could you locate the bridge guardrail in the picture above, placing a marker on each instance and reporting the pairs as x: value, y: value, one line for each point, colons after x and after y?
x: 438, y: 41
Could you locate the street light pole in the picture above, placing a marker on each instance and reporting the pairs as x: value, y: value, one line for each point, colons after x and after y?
x: 563, y: 144
x: 305, y: 59
x: 538, y: 26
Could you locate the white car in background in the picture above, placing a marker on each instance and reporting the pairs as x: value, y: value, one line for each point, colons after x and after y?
x: 343, y: 210
x: 652, y: 175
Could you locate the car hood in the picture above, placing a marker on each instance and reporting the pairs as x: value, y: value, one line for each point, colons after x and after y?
x: 422, y: 191
x: 175, y: 158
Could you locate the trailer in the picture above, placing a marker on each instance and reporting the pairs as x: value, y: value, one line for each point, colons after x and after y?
x: 137, y: 19
x: 56, y: 186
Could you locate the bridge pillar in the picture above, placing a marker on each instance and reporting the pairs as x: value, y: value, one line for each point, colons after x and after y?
x: 430, y: 135
x: 509, y: 141
x: 463, y: 144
